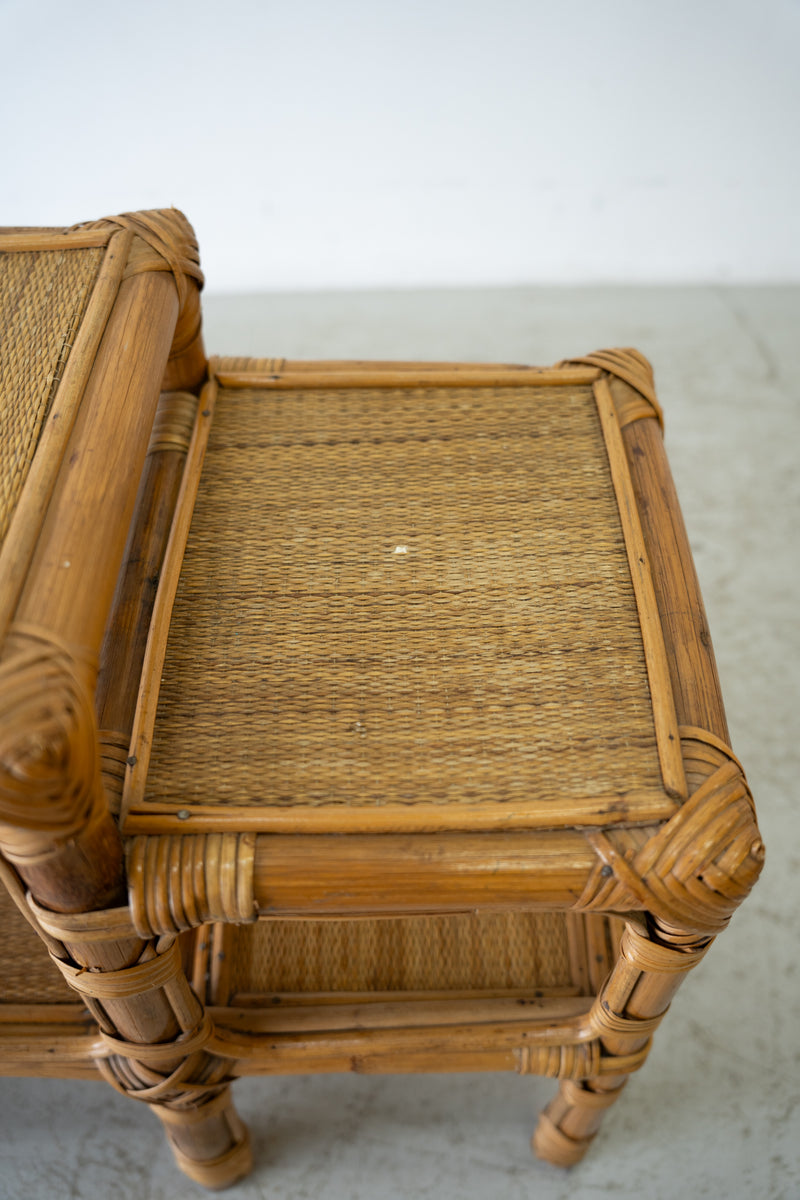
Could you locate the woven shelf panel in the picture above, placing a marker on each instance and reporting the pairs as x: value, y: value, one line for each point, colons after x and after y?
x: 452, y: 953
x: 43, y: 295
x: 27, y: 975
x: 404, y: 597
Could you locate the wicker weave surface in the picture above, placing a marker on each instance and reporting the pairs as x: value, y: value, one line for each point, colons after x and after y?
x: 43, y: 295
x: 408, y: 597
x: 28, y: 976
x: 469, y: 952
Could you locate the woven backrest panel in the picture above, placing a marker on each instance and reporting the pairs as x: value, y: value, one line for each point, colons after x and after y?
x: 452, y: 953
x: 404, y: 596
x: 27, y: 975
x: 43, y: 295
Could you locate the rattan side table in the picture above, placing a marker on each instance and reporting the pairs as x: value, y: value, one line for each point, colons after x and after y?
x: 406, y: 723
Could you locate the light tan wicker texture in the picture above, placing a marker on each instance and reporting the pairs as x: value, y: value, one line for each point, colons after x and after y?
x: 43, y: 295
x: 28, y: 976
x: 471, y: 952
x: 407, y: 597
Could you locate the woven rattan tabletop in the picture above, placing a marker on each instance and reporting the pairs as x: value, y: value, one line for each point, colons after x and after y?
x: 404, y: 608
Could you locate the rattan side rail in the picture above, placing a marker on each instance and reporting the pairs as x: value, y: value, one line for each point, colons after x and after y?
x: 353, y: 716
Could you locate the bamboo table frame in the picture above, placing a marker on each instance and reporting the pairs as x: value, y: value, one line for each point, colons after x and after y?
x: 137, y: 905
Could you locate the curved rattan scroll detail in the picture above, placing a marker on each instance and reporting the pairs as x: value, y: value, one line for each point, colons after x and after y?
x: 632, y: 368
x: 50, y: 787
x: 694, y: 871
x: 178, y: 883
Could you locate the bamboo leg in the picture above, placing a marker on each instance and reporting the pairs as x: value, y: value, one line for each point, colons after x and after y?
x: 571, y: 1120
x: 211, y: 1144
x: 631, y: 1003
x: 158, y: 1042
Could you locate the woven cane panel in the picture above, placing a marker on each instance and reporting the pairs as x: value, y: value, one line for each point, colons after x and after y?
x: 27, y: 975
x: 43, y: 295
x: 454, y: 953
x: 404, y: 597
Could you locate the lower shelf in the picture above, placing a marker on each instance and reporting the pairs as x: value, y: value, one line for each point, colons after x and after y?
x: 486, y: 952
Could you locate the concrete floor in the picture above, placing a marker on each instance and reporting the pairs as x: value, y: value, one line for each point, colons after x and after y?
x: 716, y: 1111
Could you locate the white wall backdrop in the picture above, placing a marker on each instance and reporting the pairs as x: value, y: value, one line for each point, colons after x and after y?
x: 359, y: 143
